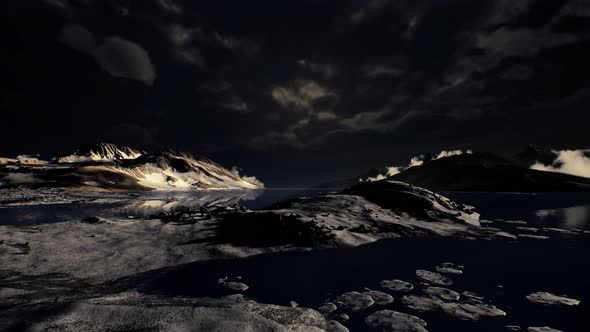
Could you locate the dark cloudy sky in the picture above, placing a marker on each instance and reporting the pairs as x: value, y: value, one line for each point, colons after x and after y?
x: 295, y: 91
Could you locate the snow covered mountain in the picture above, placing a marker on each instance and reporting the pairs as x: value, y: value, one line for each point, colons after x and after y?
x: 100, y: 152
x: 533, y: 170
x: 573, y: 162
x: 487, y: 172
x: 107, y: 166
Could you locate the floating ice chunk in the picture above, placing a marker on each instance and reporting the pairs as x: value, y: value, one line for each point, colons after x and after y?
x: 335, y: 326
x: 389, y: 320
x: 421, y: 303
x: 527, y: 229
x: 512, y: 327
x: 471, y: 311
x: 549, y: 298
x: 542, y: 329
x: 533, y: 236
x: 327, y: 307
x: 505, y: 235
x: 235, y: 286
x: 517, y: 222
x: 443, y: 293
x: 558, y: 230
x: 449, y: 268
x: 433, y: 278
x: 354, y: 301
x: 342, y: 317
x: 293, y: 304
x: 472, y: 295
x: 379, y: 297
x: 397, y: 285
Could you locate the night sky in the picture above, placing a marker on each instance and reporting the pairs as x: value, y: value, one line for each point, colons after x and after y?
x: 295, y: 92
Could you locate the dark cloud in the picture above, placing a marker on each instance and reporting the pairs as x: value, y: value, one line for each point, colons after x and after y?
x: 123, y: 58
x: 78, y: 38
x: 309, y: 87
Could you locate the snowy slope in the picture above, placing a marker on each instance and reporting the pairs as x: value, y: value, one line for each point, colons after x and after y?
x: 100, y: 152
x: 107, y: 166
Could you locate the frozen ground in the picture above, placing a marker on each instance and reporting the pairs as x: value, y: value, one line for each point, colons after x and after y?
x: 160, y: 263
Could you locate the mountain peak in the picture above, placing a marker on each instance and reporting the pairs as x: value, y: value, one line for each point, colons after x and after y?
x: 100, y: 152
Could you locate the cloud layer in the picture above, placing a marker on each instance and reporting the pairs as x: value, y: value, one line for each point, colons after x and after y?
x: 573, y: 162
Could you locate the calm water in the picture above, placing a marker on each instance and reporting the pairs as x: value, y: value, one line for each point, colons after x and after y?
x: 561, y: 210
x: 502, y: 271
x: 147, y: 203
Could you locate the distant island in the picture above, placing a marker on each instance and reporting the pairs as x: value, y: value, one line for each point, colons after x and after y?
x: 106, y: 166
x: 532, y: 170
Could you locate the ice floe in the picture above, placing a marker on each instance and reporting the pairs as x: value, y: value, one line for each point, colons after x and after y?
x: 443, y: 293
x: 354, y: 301
x: 327, y: 307
x: 471, y: 311
x: 433, y: 278
x: 515, y: 222
x: 472, y: 295
x: 533, y: 236
x: 421, y: 303
x: 379, y: 297
x: 507, y: 235
x: 397, y: 285
x: 542, y: 329
x: 437, y: 298
x: 558, y: 230
x: 527, y: 229
x: 389, y: 320
x: 342, y: 317
x: 235, y: 286
x: 449, y: 268
x: 335, y: 326
x: 549, y: 298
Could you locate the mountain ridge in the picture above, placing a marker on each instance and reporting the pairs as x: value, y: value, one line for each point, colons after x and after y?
x: 106, y: 166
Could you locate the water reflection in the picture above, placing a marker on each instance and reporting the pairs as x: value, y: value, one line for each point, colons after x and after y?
x: 572, y: 217
x: 167, y: 201
x: 147, y: 203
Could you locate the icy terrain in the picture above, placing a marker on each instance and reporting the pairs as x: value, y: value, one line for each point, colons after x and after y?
x: 109, y: 167
x: 381, y: 255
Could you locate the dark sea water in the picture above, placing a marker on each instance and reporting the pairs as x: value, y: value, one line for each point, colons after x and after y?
x: 504, y: 271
